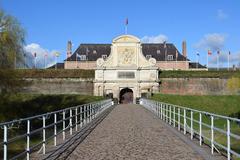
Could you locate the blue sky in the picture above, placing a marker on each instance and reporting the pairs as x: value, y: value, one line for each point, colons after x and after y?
x: 204, y: 24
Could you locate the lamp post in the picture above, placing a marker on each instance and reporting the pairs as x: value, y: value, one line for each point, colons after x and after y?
x: 197, y: 59
x: 56, y: 57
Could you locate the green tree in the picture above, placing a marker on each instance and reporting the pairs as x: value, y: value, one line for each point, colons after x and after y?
x: 11, y: 41
x: 11, y: 52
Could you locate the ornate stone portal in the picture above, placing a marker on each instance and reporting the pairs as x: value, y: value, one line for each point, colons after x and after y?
x: 126, y: 67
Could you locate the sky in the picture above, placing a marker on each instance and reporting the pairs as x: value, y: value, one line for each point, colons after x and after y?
x: 204, y: 24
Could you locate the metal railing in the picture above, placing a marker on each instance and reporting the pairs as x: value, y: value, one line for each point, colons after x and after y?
x: 35, y: 132
x: 221, y: 133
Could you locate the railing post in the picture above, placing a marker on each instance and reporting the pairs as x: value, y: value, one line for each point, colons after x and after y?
x: 70, y: 122
x: 28, y: 139
x: 200, y: 129
x: 85, y: 114
x: 165, y: 112
x: 55, y: 129
x: 64, y: 125
x: 161, y: 111
x: 5, y: 141
x: 76, y: 119
x: 185, y: 122
x: 81, y: 116
x: 179, y: 120
x: 228, y: 140
x: 212, y: 134
x: 170, y: 114
x: 44, y: 135
x: 191, y: 124
x: 174, y: 116
x: 91, y: 112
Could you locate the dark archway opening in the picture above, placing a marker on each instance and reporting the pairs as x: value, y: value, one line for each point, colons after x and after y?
x: 126, y: 96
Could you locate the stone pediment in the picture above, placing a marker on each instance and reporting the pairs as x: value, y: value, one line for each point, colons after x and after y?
x: 126, y: 39
x: 126, y: 51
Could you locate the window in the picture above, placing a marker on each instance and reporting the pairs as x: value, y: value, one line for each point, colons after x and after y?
x: 126, y: 75
x: 158, y: 51
x: 170, y: 57
x: 83, y: 57
x: 94, y: 52
x: 148, y: 56
x: 104, y: 56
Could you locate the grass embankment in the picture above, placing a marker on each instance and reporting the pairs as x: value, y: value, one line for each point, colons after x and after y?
x: 56, y: 73
x: 199, y: 74
x: 222, y: 105
x: 16, y: 106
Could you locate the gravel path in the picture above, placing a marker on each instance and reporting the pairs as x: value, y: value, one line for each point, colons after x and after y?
x: 131, y: 132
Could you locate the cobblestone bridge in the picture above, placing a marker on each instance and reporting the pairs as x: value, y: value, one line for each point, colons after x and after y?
x: 132, y: 132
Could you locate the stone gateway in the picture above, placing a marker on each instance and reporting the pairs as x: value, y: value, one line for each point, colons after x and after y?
x: 126, y: 72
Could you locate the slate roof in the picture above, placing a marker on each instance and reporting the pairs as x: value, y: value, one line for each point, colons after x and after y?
x: 59, y: 66
x: 196, y: 65
x: 156, y: 50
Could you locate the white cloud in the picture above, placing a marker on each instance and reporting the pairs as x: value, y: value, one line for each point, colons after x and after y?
x: 154, y: 39
x: 44, y: 58
x: 221, y: 15
x: 214, y: 42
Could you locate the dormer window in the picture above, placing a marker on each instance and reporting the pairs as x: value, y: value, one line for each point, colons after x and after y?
x: 158, y: 51
x: 170, y: 57
x: 104, y: 56
x: 83, y: 57
x: 148, y: 57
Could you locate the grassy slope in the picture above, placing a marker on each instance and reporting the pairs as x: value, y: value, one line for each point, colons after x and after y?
x: 199, y: 74
x: 24, y: 105
x: 224, y: 105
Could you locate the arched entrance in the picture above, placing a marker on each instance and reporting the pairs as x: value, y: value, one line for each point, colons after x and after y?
x: 126, y: 96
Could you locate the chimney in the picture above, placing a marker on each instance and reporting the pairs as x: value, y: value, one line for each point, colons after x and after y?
x: 184, y: 48
x: 69, y: 49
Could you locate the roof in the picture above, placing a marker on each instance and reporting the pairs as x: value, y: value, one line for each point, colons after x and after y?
x: 59, y: 66
x: 193, y: 65
x: 156, y: 50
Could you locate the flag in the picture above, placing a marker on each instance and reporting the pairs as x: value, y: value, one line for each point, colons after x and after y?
x: 218, y: 52
x: 126, y: 22
x: 229, y: 53
x: 35, y: 54
x: 45, y: 54
x: 197, y: 54
x: 209, y: 52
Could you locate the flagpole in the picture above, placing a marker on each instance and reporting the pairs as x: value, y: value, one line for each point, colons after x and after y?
x: 55, y: 61
x: 218, y: 61
x: 228, y: 59
x: 207, y: 60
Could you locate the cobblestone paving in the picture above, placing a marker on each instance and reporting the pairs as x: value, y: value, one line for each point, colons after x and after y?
x: 131, y: 132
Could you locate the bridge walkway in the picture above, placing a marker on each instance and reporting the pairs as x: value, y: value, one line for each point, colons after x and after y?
x: 132, y: 132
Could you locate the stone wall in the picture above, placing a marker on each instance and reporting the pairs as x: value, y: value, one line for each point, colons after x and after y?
x: 80, y: 64
x: 59, y: 86
x: 173, y: 65
x: 200, y: 86
x: 183, y: 86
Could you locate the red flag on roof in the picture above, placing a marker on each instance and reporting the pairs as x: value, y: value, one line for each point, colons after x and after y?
x: 209, y: 52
